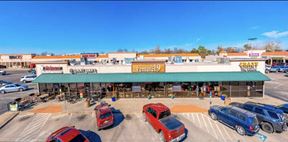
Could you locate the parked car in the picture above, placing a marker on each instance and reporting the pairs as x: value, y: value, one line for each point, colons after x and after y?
x: 271, y: 118
x: 13, y: 88
x: 28, y: 78
x: 67, y: 134
x: 283, y: 69
x: 2, y: 72
x: 274, y: 69
x: 243, y: 121
x: 104, y: 116
x: 168, y: 127
x: 284, y: 108
x: 4, y: 82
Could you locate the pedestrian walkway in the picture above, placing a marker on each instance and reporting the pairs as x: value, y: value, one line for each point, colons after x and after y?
x: 30, y: 133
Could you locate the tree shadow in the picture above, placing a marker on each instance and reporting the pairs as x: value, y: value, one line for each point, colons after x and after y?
x: 92, y: 136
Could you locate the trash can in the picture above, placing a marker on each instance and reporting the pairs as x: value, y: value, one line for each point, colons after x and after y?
x: 222, y: 97
x: 13, y: 106
x: 113, y: 99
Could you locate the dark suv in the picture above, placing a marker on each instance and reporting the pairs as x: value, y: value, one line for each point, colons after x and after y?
x: 271, y: 118
x: 243, y: 121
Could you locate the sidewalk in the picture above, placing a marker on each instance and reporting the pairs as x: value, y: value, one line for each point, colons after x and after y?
x: 7, y: 117
x: 135, y: 105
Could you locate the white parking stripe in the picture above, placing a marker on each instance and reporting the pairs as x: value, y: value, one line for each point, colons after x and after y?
x: 220, y: 131
x: 213, y: 130
x: 224, y: 127
x: 199, y: 122
x: 30, y: 132
x: 204, y: 122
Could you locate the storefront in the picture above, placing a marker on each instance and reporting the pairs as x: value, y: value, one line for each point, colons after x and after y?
x: 16, y: 60
x: 142, y: 85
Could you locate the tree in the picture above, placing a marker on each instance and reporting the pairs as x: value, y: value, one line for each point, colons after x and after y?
x: 194, y: 50
x: 272, y: 46
x: 247, y: 47
x: 231, y: 49
x: 219, y: 49
x: 202, y: 51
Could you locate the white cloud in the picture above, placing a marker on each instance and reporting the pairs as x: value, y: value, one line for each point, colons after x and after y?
x: 276, y: 34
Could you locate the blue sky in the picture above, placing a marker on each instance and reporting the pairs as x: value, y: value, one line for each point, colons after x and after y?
x: 73, y: 27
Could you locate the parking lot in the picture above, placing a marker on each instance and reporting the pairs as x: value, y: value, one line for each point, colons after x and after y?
x: 30, y: 126
x: 14, y: 76
x: 131, y: 127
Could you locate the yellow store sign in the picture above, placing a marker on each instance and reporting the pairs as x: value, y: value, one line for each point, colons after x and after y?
x: 148, y: 67
x: 248, y: 66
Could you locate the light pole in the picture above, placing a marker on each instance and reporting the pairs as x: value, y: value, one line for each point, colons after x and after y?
x: 252, y: 39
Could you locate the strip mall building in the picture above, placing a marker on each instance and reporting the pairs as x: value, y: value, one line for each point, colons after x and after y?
x: 131, y: 75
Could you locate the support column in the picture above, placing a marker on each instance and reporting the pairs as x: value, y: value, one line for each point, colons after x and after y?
x: 230, y: 89
x: 197, y: 90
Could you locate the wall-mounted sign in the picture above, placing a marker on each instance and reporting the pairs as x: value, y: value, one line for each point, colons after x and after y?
x: 75, y: 71
x: 87, y: 55
x: 148, y: 67
x: 248, y: 66
x: 16, y: 57
x: 52, y: 69
x: 254, y: 54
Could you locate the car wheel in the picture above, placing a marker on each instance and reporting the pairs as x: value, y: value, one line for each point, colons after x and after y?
x: 267, y: 127
x: 240, y: 130
x: 213, y: 115
x: 20, y: 89
x: 2, y: 92
x: 161, y: 136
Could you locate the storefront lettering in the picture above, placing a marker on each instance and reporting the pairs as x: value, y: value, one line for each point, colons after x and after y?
x: 248, y: 66
x: 51, y: 68
x: 148, y: 67
x: 75, y: 71
x: 16, y: 57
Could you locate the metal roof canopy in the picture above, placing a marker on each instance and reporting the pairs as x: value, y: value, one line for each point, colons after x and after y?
x: 151, y: 77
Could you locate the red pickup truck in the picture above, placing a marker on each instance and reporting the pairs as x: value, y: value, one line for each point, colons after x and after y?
x: 159, y: 116
x: 104, y: 115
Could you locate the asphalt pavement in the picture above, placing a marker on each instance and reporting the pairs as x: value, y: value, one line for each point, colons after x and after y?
x: 277, y: 87
x: 14, y: 76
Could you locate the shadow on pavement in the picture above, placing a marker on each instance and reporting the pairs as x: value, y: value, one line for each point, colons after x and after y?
x: 92, y: 136
x: 186, y: 134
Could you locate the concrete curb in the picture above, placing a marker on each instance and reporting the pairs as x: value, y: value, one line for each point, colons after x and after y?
x: 5, y: 122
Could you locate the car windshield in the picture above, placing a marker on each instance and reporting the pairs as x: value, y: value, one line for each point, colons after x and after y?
x: 164, y: 114
x: 17, y: 85
x: 105, y: 115
x: 78, y: 138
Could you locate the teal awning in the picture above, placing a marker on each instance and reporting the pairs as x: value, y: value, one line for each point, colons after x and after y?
x: 151, y: 77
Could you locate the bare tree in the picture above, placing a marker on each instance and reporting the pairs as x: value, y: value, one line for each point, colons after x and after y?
x: 272, y: 46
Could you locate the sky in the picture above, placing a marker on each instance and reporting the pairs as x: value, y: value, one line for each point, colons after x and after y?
x: 91, y: 26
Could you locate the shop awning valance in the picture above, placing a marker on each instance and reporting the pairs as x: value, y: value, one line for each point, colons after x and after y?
x: 151, y: 77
